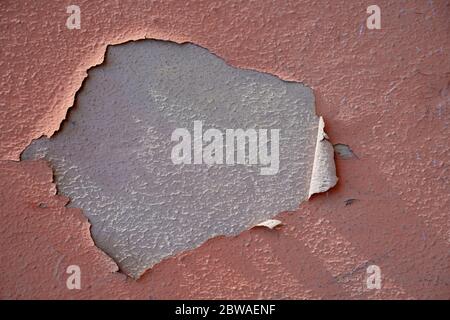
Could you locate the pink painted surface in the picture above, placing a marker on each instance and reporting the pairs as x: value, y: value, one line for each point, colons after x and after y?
x: 384, y: 92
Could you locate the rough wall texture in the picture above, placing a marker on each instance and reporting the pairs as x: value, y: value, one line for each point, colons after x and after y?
x: 113, y: 157
x: 385, y: 93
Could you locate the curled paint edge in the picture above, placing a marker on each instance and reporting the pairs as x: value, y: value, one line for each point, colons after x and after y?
x: 323, y: 175
x: 270, y: 223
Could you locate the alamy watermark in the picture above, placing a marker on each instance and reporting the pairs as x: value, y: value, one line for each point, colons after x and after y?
x: 74, y: 280
x: 74, y: 20
x: 235, y: 146
x: 374, y: 20
x: 373, y: 280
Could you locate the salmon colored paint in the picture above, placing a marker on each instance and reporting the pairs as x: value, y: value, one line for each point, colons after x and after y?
x: 385, y: 93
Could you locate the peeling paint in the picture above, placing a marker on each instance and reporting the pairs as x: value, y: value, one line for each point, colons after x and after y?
x: 112, y: 156
x: 382, y: 92
x: 271, y: 223
x: 344, y: 152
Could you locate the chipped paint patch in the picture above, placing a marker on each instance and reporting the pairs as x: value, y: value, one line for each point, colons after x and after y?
x: 344, y: 152
x: 114, y: 155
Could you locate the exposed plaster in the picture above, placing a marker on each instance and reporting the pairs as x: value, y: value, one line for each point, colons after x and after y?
x: 112, y: 155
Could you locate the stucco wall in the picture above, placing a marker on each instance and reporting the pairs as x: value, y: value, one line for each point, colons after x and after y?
x: 385, y: 93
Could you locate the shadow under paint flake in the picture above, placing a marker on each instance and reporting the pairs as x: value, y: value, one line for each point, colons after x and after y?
x: 112, y: 156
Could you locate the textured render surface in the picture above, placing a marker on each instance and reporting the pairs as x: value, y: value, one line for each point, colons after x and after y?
x: 113, y: 155
x: 384, y: 93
